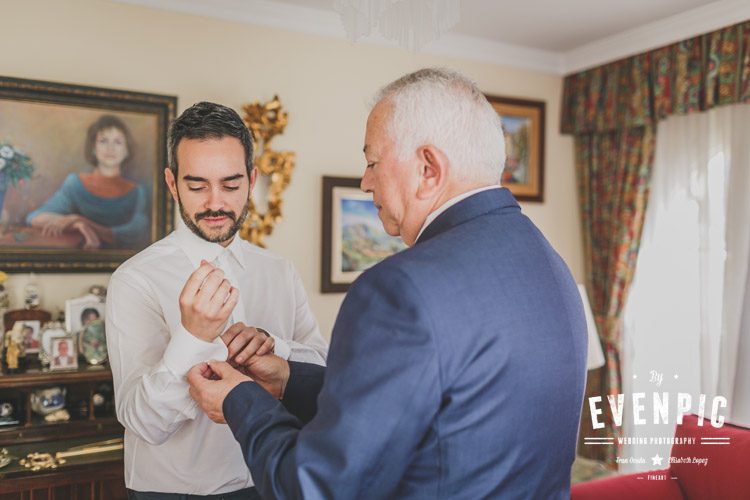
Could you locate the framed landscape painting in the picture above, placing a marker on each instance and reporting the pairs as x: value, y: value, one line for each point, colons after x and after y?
x: 523, y: 127
x: 353, y: 236
x: 81, y: 175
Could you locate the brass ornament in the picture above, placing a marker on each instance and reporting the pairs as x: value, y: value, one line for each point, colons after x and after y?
x: 5, y: 458
x: 266, y: 121
x: 42, y: 461
x: 38, y: 461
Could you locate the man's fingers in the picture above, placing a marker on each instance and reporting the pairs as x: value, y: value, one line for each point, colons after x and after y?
x: 231, y: 333
x: 211, y: 282
x: 242, y: 339
x: 236, y: 343
x: 221, y: 368
x: 236, y: 328
x: 231, y: 301
x: 221, y: 295
x: 250, y: 349
x: 267, y: 346
x: 196, y: 279
x: 195, y: 376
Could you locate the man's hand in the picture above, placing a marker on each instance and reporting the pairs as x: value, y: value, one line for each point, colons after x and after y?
x: 210, y: 383
x: 206, y: 302
x: 244, y: 341
x: 270, y: 372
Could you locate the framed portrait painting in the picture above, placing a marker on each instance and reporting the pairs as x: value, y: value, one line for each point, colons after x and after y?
x: 523, y: 128
x: 81, y: 175
x: 353, y: 236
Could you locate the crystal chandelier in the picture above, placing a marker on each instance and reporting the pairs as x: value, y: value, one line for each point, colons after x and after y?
x: 410, y: 23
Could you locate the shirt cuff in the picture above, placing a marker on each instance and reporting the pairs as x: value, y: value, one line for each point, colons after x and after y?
x: 185, y: 351
x: 281, y: 347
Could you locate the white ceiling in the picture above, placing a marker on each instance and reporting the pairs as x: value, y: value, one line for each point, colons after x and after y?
x: 556, y: 25
x: 556, y: 36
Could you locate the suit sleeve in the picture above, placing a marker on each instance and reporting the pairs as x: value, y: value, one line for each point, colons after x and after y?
x: 379, y: 399
x: 302, y: 389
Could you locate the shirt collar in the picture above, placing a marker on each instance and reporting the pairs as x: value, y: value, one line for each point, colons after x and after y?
x: 445, y: 206
x: 197, y: 249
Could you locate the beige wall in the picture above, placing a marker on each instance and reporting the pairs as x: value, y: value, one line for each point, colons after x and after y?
x: 325, y: 84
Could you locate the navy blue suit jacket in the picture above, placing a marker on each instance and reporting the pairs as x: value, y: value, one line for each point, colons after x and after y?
x: 456, y: 370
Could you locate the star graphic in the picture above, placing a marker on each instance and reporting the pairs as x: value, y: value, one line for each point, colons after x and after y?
x: 656, y: 459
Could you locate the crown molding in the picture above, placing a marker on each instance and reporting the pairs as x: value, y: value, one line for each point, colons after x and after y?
x: 265, y: 13
x: 650, y: 36
x: 502, y: 54
x: 328, y: 24
x: 312, y: 21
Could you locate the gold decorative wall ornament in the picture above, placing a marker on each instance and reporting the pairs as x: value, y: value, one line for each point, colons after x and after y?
x: 266, y: 121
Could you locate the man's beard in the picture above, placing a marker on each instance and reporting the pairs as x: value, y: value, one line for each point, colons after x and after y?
x: 220, y: 238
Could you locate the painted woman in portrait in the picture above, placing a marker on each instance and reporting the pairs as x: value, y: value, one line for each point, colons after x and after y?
x: 105, y: 207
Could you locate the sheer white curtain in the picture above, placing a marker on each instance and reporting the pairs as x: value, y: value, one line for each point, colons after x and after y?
x: 683, y: 320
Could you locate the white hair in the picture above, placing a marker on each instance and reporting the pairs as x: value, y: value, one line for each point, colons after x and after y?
x: 447, y: 110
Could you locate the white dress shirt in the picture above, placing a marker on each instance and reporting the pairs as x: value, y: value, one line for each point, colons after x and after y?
x: 170, y: 444
x: 445, y: 206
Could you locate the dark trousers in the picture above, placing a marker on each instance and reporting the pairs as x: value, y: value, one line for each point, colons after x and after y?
x: 246, y: 494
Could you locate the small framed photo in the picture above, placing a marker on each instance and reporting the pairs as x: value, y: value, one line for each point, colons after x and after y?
x: 30, y: 330
x: 353, y: 236
x: 64, y: 355
x: 50, y: 331
x: 24, y: 316
x: 80, y: 311
x: 523, y: 127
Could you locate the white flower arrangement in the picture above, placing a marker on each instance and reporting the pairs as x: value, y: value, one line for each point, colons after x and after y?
x: 14, y: 165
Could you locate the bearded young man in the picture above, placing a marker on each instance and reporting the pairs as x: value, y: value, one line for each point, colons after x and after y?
x: 189, y: 297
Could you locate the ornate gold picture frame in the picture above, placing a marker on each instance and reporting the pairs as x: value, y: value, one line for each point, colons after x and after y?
x: 48, y: 154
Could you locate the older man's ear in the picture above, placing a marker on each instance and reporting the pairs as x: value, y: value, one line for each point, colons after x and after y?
x: 434, y: 173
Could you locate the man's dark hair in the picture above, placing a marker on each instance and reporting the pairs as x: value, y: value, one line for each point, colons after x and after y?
x: 208, y: 120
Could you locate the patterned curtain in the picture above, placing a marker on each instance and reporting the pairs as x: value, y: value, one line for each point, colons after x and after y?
x: 613, y: 171
x: 612, y: 112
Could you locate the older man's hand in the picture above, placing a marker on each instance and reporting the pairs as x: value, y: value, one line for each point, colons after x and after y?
x: 270, y: 372
x: 210, y: 383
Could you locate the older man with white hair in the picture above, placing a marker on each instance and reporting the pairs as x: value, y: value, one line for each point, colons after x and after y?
x: 456, y: 367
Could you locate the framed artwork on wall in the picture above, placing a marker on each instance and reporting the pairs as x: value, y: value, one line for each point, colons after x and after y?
x: 81, y: 175
x: 353, y: 236
x: 523, y: 127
